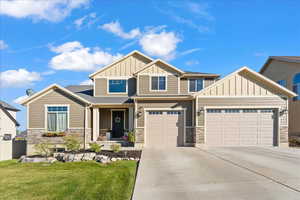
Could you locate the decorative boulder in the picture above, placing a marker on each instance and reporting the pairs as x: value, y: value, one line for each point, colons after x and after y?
x: 88, y: 156
x: 102, y: 159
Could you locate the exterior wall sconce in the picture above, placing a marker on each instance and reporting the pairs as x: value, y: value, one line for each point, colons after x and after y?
x: 139, y: 114
x: 282, y: 112
x: 200, y: 111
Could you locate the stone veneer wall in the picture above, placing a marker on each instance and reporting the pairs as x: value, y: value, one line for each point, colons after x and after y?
x: 34, y: 136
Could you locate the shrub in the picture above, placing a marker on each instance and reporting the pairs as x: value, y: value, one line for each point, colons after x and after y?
x: 95, y: 147
x: 131, y: 137
x: 115, y: 148
x: 72, y: 143
x: 43, y: 149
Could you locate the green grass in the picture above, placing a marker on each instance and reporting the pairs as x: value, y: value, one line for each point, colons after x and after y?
x: 81, y: 180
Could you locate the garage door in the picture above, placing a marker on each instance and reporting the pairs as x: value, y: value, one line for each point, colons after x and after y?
x: 239, y: 127
x: 164, y: 128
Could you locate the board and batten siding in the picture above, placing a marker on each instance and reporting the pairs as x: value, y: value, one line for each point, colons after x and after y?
x: 145, y: 85
x: 239, y: 85
x: 36, y: 109
x: 161, y: 105
x: 126, y: 67
x: 101, y: 87
x: 159, y: 68
x: 278, y: 70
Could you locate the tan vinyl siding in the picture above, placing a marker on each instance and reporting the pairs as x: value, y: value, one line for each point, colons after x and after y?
x: 36, y: 109
x: 126, y: 67
x: 144, y: 85
x: 89, y: 118
x: 142, y: 104
x: 278, y: 70
x: 159, y: 68
x: 101, y: 87
x: 240, y: 85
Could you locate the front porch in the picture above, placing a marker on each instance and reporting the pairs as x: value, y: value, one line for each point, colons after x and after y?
x: 111, y: 123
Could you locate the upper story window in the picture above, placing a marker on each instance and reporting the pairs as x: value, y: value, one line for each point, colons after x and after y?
x: 57, y: 118
x: 282, y: 83
x: 296, y: 86
x: 117, y: 86
x: 158, y: 83
x: 195, y: 85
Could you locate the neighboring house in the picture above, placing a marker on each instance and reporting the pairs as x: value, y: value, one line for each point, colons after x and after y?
x: 8, y: 129
x: 165, y: 105
x: 285, y: 70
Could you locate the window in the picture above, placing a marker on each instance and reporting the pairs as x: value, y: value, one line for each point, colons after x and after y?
x: 155, y: 113
x: 214, y: 110
x: 173, y: 113
x: 282, y: 83
x: 296, y: 86
x: 195, y: 85
x: 158, y: 83
x: 266, y: 111
x: 57, y: 118
x: 250, y: 111
x: 232, y: 111
x: 117, y: 86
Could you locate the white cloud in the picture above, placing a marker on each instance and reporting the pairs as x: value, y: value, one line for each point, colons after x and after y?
x: 20, y: 99
x: 50, y: 10
x: 73, y: 56
x: 87, y: 82
x: 115, y: 28
x: 200, y: 9
x: 189, y: 51
x: 18, y: 78
x: 192, y: 62
x: 86, y: 20
x: 161, y: 44
x: 260, y: 54
x: 3, y: 45
x: 190, y: 23
x: 47, y: 73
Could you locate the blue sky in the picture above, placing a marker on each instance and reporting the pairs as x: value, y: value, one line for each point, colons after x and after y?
x: 64, y: 41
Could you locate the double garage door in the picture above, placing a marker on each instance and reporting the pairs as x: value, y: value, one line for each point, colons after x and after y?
x: 240, y: 127
x: 164, y: 128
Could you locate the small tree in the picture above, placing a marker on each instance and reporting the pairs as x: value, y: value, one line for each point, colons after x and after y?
x: 72, y: 143
x: 131, y: 137
x: 115, y: 148
x: 95, y: 147
x: 43, y: 149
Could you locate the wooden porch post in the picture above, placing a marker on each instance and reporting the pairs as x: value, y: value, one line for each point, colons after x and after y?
x: 96, y: 121
x: 131, y: 118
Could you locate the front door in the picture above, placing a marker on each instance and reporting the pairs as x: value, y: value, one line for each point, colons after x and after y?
x: 117, y: 124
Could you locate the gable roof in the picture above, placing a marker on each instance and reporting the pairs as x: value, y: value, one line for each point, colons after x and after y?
x: 284, y: 90
x: 291, y: 59
x: 53, y: 86
x: 119, y: 60
x: 163, y: 62
x: 8, y: 106
x: 5, y: 110
x: 201, y: 74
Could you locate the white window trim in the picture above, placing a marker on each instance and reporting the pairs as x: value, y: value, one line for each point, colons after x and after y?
x: 117, y: 78
x: 58, y: 105
x: 158, y: 75
x: 203, y: 84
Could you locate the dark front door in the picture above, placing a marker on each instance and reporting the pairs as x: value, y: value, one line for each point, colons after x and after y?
x: 117, y: 124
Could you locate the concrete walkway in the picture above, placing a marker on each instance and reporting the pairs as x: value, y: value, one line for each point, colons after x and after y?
x: 218, y: 173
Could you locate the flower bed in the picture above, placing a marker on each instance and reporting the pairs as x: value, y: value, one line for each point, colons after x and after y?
x: 54, y: 134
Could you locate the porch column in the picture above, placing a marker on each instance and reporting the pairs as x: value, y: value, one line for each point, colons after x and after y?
x: 131, y: 118
x: 96, y: 121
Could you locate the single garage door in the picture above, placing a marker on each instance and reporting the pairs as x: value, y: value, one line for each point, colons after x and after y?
x: 240, y: 127
x: 164, y: 128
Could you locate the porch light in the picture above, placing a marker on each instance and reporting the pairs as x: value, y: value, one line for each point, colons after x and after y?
x: 283, y: 111
x: 139, y: 113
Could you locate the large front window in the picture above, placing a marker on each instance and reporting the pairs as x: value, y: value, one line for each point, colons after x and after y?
x: 195, y: 85
x: 296, y: 86
x: 117, y: 86
x: 158, y: 83
x: 57, y: 118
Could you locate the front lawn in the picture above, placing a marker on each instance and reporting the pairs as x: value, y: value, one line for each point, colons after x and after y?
x: 74, y: 180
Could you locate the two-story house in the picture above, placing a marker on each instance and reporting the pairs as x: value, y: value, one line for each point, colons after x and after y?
x: 8, y: 129
x: 285, y: 70
x: 164, y: 105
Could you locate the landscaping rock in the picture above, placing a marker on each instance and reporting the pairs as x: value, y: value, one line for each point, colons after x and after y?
x: 102, y: 159
x: 73, y: 157
x: 25, y: 159
x: 89, y: 156
x: 113, y: 159
x: 131, y: 159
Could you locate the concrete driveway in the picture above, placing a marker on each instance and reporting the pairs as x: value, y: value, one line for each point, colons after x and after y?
x: 218, y: 173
